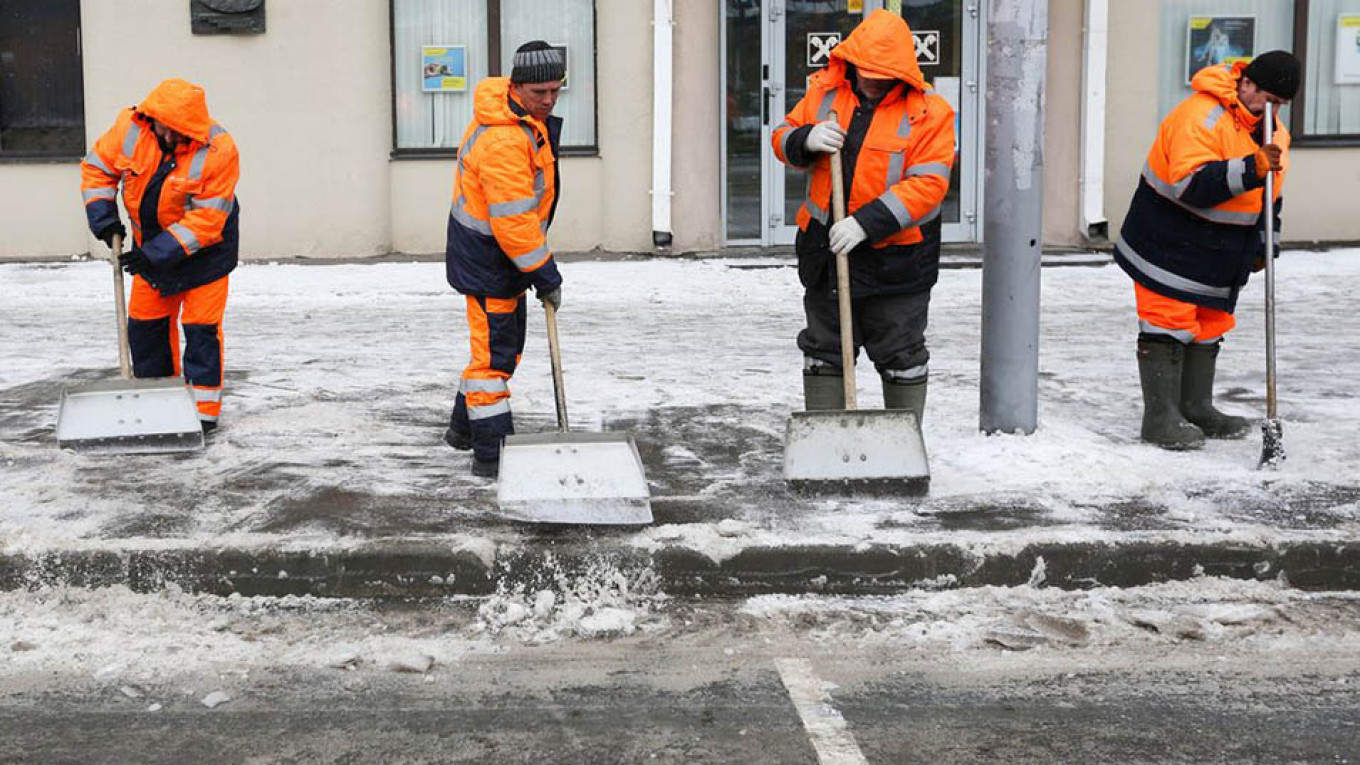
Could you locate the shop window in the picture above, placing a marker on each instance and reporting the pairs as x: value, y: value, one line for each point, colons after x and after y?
x: 441, y: 49
x: 1327, y: 108
x: 42, y: 103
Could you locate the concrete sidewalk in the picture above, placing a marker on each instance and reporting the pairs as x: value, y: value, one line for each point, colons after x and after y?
x: 329, y: 476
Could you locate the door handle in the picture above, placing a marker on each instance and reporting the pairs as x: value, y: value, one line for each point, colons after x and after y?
x: 765, y: 105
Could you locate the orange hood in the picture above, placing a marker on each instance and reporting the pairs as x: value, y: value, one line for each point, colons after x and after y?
x: 881, y: 46
x: 180, y: 106
x: 491, y: 102
x: 1221, y: 82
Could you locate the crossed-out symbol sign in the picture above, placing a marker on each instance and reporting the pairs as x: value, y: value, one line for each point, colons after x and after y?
x: 819, y: 45
x: 927, y: 47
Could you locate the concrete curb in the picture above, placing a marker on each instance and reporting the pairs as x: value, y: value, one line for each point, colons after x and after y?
x: 424, y: 568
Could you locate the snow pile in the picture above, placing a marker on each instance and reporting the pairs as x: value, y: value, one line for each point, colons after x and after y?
x: 602, y: 601
x: 1263, y: 615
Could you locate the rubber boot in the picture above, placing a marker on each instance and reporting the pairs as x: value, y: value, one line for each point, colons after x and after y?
x: 906, y: 394
x: 486, y: 468
x: 1160, y: 360
x: 1197, y: 394
x: 823, y: 389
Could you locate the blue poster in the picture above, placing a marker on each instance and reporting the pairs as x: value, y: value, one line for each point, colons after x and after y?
x: 443, y: 68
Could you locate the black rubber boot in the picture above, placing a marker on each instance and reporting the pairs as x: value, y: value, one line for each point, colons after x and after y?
x: 823, y: 389
x: 1160, y: 360
x: 486, y: 468
x: 1197, y: 394
x: 460, y: 441
x: 909, y: 395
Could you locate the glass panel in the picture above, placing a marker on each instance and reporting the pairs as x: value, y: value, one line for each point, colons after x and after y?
x: 569, y: 23
x: 42, y: 103
x: 1244, y: 28
x: 1331, y: 79
x: 938, y: 28
x: 743, y: 119
x: 809, y: 17
x: 428, y: 120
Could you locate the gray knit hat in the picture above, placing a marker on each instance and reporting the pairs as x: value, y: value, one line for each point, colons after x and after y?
x: 538, y: 61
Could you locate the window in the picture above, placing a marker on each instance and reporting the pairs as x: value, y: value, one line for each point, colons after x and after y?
x: 1327, y: 108
x: 441, y: 49
x: 1198, y: 33
x: 42, y: 101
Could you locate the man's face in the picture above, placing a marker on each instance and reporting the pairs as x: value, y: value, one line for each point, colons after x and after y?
x: 874, y: 87
x: 166, y: 136
x: 538, y: 98
x: 1255, y: 99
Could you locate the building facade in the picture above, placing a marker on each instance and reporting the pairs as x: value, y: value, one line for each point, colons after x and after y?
x: 348, y: 112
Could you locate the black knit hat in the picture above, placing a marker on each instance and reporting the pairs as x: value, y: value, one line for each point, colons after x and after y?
x: 538, y: 61
x: 1275, y: 72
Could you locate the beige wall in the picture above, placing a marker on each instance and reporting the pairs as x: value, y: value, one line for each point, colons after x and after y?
x: 1062, y: 124
x: 696, y: 166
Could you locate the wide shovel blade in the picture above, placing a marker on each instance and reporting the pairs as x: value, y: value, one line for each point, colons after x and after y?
x: 137, y: 416
x: 865, y: 451
x: 584, y: 478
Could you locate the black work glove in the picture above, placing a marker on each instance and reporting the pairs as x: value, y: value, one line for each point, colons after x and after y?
x: 553, y: 298
x: 106, y: 236
x: 135, y: 262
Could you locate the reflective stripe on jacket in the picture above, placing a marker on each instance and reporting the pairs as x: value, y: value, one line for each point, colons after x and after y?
x: 504, y: 194
x: 1195, y: 226
x: 898, y: 158
x: 183, y: 206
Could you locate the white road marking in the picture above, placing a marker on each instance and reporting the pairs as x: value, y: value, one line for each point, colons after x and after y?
x: 826, y: 728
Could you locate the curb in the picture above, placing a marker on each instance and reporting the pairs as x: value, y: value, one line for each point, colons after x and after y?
x: 425, y: 569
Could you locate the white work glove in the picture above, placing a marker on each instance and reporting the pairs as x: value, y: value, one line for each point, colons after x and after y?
x: 553, y: 298
x: 825, y: 137
x: 846, y: 234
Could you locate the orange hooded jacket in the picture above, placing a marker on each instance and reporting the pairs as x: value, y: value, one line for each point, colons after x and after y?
x: 1195, y: 225
x: 504, y: 197
x: 903, y: 153
x: 182, y: 206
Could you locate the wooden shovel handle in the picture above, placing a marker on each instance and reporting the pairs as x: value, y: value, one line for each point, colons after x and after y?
x: 843, y: 280
x: 555, y: 354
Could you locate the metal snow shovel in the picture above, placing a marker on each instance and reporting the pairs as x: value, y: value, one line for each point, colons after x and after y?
x: 877, y: 451
x: 1272, y: 434
x: 128, y: 415
x: 564, y: 477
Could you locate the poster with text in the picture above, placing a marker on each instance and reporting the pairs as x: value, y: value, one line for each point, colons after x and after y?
x: 1348, y: 49
x: 1211, y: 40
x: 443, y: 68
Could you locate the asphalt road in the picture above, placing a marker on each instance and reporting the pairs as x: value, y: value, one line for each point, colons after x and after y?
x: 752, y: 698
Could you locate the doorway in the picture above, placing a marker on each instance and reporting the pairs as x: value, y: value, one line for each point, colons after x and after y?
x: 770, y: 49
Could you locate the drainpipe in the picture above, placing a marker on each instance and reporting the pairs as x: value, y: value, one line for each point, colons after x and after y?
x: 662, y: 28
x: 1095, y: 34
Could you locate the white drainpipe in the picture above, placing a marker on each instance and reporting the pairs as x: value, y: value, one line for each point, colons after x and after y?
x: 662, y: 27
x: 1095, y: 34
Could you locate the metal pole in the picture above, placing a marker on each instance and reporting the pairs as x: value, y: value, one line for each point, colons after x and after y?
x: 1017, y: 53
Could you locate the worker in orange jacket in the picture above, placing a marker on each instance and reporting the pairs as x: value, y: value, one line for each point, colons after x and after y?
x: 896, y: 138
x: 504, y: 196
x: 1195, y: 232
x: 178, y: 171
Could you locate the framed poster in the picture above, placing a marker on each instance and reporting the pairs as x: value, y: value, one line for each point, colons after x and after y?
x: 1348, y: 49
x: 1211, y: 40
x: 443, y: 68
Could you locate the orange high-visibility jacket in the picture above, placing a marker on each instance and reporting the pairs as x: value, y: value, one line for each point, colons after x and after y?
x: 1195, y: 226
x: 898, y: 157
x: 504, y: 196
x: 182, y: 206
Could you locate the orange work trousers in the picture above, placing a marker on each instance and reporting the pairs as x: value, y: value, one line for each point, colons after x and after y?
x: 1187, y: 322
x: 154, y: 337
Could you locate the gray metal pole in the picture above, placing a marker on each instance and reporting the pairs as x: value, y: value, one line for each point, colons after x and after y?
x: 1017, y: 52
